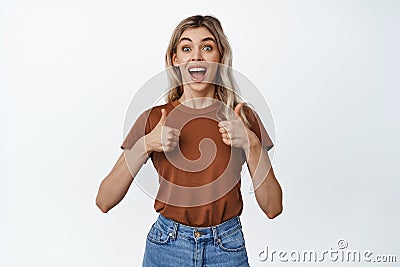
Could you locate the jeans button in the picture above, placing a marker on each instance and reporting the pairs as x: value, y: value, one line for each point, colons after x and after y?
x: 197, y: 234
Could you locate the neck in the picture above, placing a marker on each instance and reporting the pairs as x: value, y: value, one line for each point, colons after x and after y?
x: 198, y: 99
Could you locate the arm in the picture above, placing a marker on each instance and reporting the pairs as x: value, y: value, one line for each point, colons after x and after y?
x: 267, y: 189
x: 115, y: 186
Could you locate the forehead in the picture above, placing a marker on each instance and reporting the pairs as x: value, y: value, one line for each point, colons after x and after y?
x: 197, y: 34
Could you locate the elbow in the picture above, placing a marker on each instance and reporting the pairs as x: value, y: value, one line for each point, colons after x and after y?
x: 271, y: 207
x: 273, y: 212
x: 101, y: 206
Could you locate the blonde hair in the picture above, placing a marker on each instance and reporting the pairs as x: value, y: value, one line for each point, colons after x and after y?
x: 227, y: 90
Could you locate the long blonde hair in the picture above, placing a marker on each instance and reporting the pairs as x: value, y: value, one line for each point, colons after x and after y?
x: 227, y: 90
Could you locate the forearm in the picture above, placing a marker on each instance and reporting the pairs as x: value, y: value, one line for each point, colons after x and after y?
x: 268, y: 192
x: 115, y: 186
x: 137, y: 155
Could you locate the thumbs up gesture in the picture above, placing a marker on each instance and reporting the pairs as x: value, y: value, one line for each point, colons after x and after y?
x: 234, y: 132
x: 162, y: 138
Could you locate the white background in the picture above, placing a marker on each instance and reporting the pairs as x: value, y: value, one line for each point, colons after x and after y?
x: 70, y: 68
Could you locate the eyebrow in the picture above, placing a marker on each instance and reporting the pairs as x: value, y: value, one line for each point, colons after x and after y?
x: 204, y: 40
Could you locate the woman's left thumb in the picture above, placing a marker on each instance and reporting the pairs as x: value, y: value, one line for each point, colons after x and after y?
x: 237, y: 109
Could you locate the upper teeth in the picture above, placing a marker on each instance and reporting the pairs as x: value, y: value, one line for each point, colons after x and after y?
x: 197, y: 69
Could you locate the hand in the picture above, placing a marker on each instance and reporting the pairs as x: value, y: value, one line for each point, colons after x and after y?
x: 235, y: 133
x: 162, y: 138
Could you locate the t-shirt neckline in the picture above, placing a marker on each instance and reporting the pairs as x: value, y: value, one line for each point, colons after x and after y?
x: 178, y: 105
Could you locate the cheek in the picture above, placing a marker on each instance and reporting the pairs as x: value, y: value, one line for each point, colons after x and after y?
x: 214, y: 57
x: 181, y: 58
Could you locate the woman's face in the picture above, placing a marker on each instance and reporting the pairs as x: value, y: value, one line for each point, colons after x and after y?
x: 197, y: 56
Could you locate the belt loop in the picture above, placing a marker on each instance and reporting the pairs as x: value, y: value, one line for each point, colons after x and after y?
x: 240, y: 224
x: 174, y: 232
x: 215, y: 235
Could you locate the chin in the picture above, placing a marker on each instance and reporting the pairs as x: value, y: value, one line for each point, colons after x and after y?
x: 200, y: 87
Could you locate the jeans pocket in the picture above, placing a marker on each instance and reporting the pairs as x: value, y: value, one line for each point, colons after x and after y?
x: 158, y: 235
x: 233, y: 241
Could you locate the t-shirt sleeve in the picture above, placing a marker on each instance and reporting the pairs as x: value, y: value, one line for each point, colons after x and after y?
x: 140, y: 128
x: 258, y: 128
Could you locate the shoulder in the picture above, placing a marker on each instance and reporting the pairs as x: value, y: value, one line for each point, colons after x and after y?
x: 155, y: 111
x: 250, y: 113
x: 257, y: 126
x: 152, y: 115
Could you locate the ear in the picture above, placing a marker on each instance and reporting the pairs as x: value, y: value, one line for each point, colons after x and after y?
x: 174, y: 59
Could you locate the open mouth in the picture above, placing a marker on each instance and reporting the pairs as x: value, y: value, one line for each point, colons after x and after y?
x: 197, y: 73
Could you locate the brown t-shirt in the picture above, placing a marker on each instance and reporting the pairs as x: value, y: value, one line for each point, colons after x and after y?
x: 199, y: 181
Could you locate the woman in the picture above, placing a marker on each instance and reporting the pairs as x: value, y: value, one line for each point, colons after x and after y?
x: 198, y: 142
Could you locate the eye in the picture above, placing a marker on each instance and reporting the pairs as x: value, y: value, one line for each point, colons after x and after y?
x: 207, y: 48
x: 185, y: 49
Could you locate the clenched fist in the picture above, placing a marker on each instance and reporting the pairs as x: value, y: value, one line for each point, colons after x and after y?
x: 162, y: 138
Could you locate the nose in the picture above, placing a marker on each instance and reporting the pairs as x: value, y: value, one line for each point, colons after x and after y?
x: 196, y: 55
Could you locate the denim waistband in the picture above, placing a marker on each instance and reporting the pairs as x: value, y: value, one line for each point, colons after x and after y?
x: 199, y: 233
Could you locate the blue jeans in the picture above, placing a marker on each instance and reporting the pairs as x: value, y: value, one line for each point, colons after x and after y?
x: 170, y: 243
